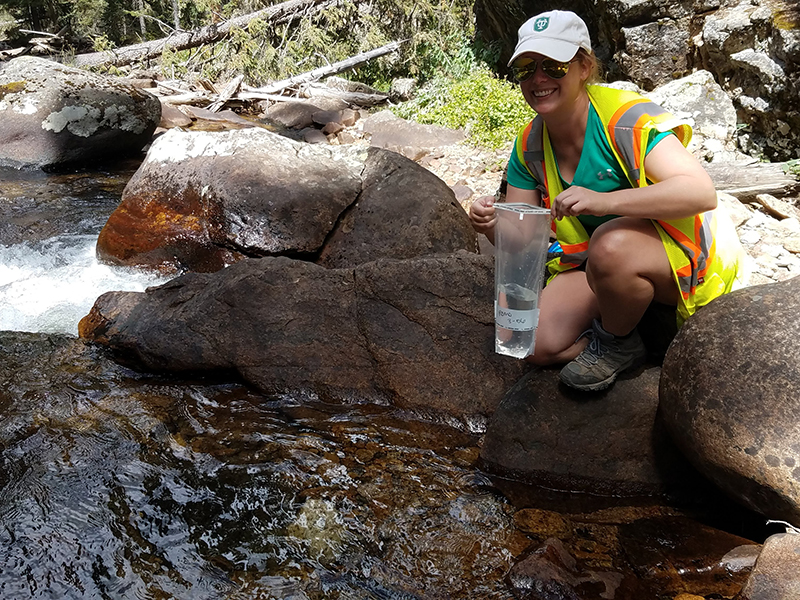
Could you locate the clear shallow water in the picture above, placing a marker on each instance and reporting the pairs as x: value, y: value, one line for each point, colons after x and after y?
x: 117, y: 485
x: 48, y: 286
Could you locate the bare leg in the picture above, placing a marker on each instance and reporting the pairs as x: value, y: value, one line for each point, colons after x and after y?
x: 627, y: 269
x: 567, y: 308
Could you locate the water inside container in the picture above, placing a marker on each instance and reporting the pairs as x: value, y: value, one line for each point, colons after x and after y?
x: 521, y: 238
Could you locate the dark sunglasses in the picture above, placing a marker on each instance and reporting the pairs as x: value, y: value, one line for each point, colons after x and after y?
x: 551, y: 68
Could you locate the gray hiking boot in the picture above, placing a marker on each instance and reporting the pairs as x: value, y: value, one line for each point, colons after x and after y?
x: 603, y: 359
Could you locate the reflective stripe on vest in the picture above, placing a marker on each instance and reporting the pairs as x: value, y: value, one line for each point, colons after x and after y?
x: 533, y: 153
x: 622, y: 128
x: 699, y: 251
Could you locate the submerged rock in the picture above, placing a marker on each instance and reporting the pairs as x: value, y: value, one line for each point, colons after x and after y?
x: 51, y: 114
x: 676, y: 554
x: 730, y: 395
x: 551, y: 572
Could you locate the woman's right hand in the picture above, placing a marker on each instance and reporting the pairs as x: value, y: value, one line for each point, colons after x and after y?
x: 483, y: 215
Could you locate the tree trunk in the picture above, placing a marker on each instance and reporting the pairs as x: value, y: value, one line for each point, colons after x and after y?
x: 333, y: 69
x: 176, y: 14
x: 192, y: 39
x: 142, y: 24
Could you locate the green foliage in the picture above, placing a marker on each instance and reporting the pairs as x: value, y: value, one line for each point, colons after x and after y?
x: 792, y: 167
x: 8, y: 25
x: 101, y: 43
x: 438, y: 35
x: 88, y: 18
x: 438, y: 40
x: 490, y: 110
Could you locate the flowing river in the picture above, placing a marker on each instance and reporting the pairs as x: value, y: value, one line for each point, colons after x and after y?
x: 118, y: 484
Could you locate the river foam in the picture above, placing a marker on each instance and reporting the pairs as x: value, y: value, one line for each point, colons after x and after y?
x: 48, y: 286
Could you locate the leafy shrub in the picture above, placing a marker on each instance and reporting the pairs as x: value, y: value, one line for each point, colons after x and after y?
x: 490, y: 110
x: 8, y: 24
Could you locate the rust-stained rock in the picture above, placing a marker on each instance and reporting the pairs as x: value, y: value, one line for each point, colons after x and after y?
x: 202, y: 200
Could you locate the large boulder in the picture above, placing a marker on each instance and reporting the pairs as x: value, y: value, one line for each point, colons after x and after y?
x: 51, y: 115
x: 776, y: 575
x: 607, y: 444
x: 416, y: 333
x: 202, y: 200
x: 701, y: 100
x: 730, y: 395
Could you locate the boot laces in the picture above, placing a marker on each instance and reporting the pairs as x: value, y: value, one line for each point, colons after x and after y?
x: 594, y: 351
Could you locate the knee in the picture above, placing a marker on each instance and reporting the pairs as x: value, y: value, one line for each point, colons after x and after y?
x: 609, y: 249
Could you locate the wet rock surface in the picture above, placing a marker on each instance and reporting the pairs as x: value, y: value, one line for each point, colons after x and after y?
x: 677, y: 555
x: 551, y: 572
x: 416, y: 333
x: 608, y: 444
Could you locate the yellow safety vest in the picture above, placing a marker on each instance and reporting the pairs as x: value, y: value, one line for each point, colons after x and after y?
x: 704, y: 250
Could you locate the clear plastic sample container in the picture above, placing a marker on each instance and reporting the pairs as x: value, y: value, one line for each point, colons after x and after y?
x: 521, y: 237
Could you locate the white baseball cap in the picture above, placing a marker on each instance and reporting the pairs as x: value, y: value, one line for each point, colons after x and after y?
x: 556, y: 34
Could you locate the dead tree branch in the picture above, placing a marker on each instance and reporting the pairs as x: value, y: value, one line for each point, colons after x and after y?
x: 337, y: 67
x: 181, y: 40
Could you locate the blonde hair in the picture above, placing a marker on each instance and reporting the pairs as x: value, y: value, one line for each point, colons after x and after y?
x: 590, y: 58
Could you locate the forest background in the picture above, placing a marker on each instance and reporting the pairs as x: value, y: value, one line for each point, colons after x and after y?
x: 454, y: 68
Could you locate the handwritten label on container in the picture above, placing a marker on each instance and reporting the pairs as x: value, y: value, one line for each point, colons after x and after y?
x: 516, y: 320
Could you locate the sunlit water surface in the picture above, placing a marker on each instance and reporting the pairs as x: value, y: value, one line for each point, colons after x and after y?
x: 119, y: 485
x: 115, y: 484
x: 48, y: 286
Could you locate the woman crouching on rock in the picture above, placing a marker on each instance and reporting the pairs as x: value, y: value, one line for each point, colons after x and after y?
x: 634, y: 212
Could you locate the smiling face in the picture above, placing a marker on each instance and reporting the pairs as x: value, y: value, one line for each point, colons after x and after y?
x: 546, y: 94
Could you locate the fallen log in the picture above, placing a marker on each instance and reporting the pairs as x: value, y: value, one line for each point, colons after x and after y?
x: 746, y: 181
x: 337, y: 67
x: 236, y: 90
x: 226, y: 94
x: 36, y: 45
x: 182, y: 40
x: 353, y: 98
x: 358, y: 98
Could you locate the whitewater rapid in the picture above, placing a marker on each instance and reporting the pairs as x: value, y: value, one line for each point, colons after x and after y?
x: 48, y: 286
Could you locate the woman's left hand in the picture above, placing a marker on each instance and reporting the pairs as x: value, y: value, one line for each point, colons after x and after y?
x: 576, y: 200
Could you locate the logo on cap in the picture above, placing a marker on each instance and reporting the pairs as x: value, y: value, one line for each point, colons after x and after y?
x: 541, y: 24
